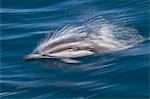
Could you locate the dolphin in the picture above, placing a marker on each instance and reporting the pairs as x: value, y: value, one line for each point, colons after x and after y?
x: 75, y: 43
x: 64, y: 52
x: 67, y: 52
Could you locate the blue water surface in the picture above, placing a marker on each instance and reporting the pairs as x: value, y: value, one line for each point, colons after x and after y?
x: 115, y: 75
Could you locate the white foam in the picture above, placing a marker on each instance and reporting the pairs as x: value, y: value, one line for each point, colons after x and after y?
x: 102, y: 32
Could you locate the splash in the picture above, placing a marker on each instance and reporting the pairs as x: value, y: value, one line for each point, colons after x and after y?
x: 97, y: 31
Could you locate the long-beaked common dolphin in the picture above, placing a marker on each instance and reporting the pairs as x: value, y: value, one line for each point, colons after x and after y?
x: 76, y: 42
x: 68, y: 51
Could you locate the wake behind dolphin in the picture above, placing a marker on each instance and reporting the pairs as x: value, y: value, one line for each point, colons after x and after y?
x: 88, y: 39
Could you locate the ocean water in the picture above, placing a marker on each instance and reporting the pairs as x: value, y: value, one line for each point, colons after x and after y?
x: 120, y: 74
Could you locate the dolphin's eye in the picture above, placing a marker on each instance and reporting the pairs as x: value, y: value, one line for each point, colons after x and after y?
x: 44, y: 55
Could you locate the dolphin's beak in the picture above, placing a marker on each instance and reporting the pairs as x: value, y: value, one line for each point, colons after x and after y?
x: 32, y: 56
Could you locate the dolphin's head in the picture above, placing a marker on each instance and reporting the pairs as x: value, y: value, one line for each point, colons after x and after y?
x: 67, y: 50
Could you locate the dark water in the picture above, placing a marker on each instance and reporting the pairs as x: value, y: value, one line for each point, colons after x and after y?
x: 115, y: 75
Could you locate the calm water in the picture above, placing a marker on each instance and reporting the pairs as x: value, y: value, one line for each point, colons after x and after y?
x: 24, y: 24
